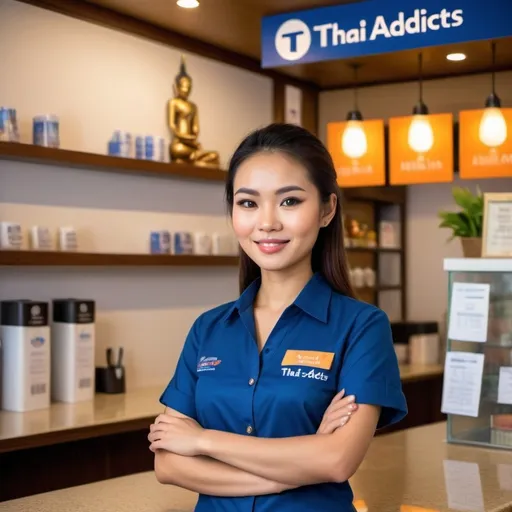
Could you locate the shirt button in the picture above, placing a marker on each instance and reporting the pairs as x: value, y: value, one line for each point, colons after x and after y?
x: 251, y: 382
x: 249, y: 429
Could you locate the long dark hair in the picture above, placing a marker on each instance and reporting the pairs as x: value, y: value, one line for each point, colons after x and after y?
x: 329, y: 256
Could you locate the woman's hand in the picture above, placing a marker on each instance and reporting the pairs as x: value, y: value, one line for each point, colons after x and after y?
x: 338, y: 413
x: 177, y: 435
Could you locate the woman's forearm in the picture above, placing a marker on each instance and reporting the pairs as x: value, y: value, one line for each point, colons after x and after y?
x: 208, y: 476
x: 296, y: 461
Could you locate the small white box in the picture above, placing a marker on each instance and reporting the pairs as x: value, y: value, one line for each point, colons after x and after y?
x: 11, y: 236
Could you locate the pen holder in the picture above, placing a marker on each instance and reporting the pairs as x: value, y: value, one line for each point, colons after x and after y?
x: 110, y: 379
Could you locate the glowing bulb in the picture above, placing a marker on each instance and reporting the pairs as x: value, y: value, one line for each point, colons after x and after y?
x: 188, y: 4
x: 493, y: 128
x: 421, y: 136
x: 456, y: 57
x: 353, y: 141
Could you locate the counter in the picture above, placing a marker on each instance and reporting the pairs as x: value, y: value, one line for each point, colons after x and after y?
x: 106, y: 414
x: 402, y: 471
x: 109, y: 414
x: 109, y: 435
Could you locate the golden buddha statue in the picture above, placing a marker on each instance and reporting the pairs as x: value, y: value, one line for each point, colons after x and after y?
x: 184, y: 125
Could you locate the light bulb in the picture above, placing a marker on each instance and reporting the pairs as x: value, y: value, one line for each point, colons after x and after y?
x: 188, y: 4
x: 420, y: 136
x: 353, y: 140
x: 493, y: 128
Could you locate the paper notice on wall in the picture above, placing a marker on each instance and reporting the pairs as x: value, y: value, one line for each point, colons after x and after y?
x: 469, y: 312
x: 462, y: 383
x: 463, y: 485
x: 505, y: 385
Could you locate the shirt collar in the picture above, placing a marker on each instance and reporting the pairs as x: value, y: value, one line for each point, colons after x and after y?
x: 314, y: 299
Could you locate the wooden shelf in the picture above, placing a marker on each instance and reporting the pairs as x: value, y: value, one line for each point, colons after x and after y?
x: 74, y: 259
x: 96, y: 162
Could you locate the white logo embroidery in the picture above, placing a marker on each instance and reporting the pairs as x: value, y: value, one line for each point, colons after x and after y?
x: 293, y: 39
x: 305, y: 374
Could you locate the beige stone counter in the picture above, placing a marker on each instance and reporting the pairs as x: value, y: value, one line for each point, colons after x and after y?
x: 105, y: 414
x: 110, y: 414
x: 408, y: 471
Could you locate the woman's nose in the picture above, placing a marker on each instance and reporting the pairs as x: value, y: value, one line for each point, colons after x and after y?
x: 269, y: 220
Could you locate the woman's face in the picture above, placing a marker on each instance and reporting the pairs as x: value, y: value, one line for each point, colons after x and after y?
x: 277, y: 211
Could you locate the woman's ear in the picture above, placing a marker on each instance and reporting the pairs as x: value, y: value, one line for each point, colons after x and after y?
x: 329, y: 210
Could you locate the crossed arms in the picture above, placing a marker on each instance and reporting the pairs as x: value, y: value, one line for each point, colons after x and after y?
x: 224, y: 464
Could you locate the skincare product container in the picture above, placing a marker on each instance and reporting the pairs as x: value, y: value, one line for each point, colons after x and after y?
x: 183, y: 243
x: 41, y: 239
x: 160, y: 242
x: 73, y: 344
x: 68, y: 239
x: 11, y: 236
x: 25, y: 336
x: 202, y: 243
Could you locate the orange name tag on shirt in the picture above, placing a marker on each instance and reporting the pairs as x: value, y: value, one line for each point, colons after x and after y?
x: 311, y: 358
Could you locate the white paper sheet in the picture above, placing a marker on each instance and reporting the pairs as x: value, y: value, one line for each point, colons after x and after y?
x: 463, y: 485
x: 505, y: 385
x: 462, y: 383
x: 469, y: 312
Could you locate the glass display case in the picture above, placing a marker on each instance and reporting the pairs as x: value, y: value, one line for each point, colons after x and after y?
x: 478, y: 367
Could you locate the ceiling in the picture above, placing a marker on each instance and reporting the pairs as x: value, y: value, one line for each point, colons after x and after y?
x: 234, y: 25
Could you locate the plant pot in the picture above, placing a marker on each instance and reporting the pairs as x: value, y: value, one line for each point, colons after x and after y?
x: 471, y: 247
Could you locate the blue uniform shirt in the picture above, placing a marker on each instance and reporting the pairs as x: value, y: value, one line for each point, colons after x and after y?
x: 323, y: 342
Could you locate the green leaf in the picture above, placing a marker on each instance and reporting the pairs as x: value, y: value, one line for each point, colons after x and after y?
x: 469, y: 220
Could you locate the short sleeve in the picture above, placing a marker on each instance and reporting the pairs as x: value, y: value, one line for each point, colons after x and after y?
x: 180, y: 392
x: 370, y: 368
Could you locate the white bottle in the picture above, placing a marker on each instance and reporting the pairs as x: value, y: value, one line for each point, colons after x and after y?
x: 73, y: 344
x: 25, y: 341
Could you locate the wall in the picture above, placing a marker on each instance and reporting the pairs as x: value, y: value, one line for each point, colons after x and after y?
x: 98, y: 80
x: 426, y: 244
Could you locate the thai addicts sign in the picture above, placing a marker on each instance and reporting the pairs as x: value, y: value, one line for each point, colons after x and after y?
x: 379, y: 26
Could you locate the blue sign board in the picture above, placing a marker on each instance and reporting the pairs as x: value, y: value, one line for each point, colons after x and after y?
x: 372, y: 27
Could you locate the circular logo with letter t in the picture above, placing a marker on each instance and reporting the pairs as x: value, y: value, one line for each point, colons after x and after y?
x: 293, y: 39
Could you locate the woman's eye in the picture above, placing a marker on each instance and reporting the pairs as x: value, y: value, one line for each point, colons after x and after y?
x: 246, y: 203
x: 291, y: 201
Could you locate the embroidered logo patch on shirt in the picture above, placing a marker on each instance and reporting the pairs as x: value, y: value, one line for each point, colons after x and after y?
x: 311, y: 358
x: 208, y: 364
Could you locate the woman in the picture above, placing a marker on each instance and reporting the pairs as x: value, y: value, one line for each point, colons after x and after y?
x: 256, y: 375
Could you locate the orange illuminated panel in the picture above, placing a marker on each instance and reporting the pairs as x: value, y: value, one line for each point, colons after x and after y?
x: 365, y: 170
x: 434, y: 163
x: 478, y: 160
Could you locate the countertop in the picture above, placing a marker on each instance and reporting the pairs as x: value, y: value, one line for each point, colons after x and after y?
x: 413, y: 470
x: 111, y: 414
x: 103, y: 415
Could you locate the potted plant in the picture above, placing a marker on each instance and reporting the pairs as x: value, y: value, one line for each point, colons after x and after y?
x: 466, y: 224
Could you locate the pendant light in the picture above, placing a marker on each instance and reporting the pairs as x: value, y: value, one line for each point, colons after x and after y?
x: 353, y: 140
x: 420, y: 136
x: 493, y: 127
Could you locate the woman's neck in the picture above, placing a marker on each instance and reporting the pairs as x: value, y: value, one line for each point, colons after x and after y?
x: 280, y: 288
